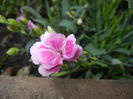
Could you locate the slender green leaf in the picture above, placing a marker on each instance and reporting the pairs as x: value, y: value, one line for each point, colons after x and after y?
x: 95, y: 51
x: 38, y: 17
x: 68, y: 25
x: 65, y: 6
x: 32, y: 11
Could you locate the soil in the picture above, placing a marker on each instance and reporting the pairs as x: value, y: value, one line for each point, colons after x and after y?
x: 11, y: 65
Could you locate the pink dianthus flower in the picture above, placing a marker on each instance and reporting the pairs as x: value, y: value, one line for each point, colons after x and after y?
x: 53, y: 48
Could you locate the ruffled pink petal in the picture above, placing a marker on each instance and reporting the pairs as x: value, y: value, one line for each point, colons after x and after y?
x: 51, y: 63
x: 77, y: 54
x: 46, y: 56
x: 35, y: 52
x: 53, y: 40
x: 47, y: 72
x: 70, y: 47
x: 36, y: 46
x: 51, y: 58
x: 46, y: 35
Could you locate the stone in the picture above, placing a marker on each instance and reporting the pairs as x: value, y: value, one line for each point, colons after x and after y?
x: 59, y: 88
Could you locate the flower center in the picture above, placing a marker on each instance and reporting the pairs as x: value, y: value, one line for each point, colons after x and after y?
x: 59, y: 53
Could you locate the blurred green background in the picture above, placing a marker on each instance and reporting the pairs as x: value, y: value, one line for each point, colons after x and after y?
x: 104, y: 28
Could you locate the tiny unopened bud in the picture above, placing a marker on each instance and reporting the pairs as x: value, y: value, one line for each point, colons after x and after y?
x: 52, y: 9
x: 79, y: 21
x: 54, y: 1
x: 13, y: 51
x: 31, y: 25
x: 20, y: 18
x: 85, y: 52
x: 50, y: 29
x: 72, y: 12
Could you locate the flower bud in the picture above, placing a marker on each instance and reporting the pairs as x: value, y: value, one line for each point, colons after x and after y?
x: 31, y: 25
x: 20, y: 18
x: 54, y: 1
x: 13, y: 51
x: 79, y: 21
x: 50, y: 29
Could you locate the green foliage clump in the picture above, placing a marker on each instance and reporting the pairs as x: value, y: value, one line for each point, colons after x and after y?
x: 103, y: 27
